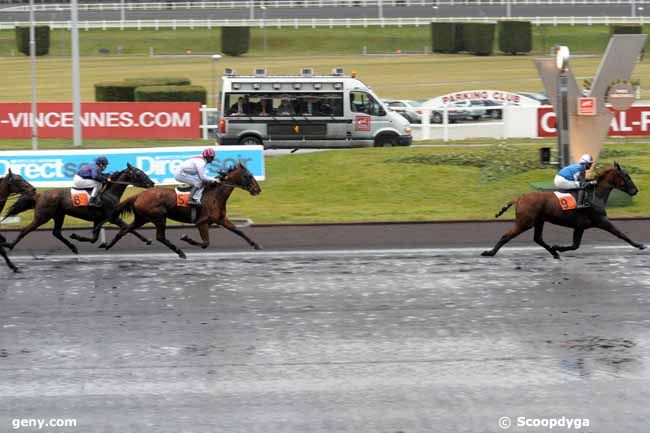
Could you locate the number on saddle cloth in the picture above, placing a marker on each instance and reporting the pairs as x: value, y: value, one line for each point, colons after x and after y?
x: 568, y: 200
x: 80, y: 197
x: 183, y: 195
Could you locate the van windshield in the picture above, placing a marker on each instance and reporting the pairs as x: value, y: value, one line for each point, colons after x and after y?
x: 283, y: 104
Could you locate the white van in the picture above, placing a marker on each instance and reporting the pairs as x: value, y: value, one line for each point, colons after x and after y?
x: 325, y: 111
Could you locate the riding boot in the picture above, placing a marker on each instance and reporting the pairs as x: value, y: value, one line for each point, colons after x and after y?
x: 581, y: 198
x: 193, y: 201
x: 94, y: 198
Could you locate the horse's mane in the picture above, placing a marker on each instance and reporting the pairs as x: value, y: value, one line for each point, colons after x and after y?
x: 605, y: 172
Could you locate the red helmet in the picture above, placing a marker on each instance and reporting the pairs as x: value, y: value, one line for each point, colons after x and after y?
x: 208, y: 153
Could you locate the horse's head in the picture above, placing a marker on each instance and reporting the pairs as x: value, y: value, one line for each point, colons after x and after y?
x: 618, y: 178
x: 241, y: 177
x: 134, y: 176
x: 15, y: 184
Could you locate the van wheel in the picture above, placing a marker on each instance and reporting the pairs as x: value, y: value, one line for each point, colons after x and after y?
x: 386, y: 140
x: 250, y: 140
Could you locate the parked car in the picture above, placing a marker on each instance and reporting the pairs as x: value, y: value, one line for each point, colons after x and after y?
x: 471, y: 110
x: 406, y: 108
x: 542, y: 98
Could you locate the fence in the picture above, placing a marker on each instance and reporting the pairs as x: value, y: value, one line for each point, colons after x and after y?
x: 317, y: 22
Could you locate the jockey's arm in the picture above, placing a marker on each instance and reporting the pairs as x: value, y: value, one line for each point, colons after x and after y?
x: 200, y: 172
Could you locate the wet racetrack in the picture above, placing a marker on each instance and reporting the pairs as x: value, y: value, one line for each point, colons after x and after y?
x: 357, y: 341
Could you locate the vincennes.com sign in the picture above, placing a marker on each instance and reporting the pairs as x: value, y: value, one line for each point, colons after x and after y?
x: 103, y: 120
x: 634, y: 121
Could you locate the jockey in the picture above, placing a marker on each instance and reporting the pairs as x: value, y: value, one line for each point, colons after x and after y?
x: 573, y: 176
x: 192, y: 172
x: 92, y: 176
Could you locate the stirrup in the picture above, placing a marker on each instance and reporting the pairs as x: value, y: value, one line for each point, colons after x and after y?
x: 94, y: 202
x: 193, y: 202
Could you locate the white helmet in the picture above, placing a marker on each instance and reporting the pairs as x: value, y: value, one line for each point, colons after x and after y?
x: 587, y: 159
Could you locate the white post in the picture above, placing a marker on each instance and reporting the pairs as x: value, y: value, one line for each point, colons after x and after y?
x: 633, y: 8
x: 508, y: 9
x: 32, y: 54
x: 445, y: 124
x: 425, y: 118
x: 252, y: 11
x: 76, y: 91
x: 204, y: 121
x: 214, y: 58
x: 122, y: 12
x: 380, y: 5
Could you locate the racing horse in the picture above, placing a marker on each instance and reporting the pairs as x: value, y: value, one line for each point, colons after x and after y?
x: 533, y: 209
x: 57, y: 203
x: 9, y: 185
x: 157, y: 204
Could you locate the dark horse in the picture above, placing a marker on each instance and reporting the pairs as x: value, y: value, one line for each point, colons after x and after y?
x: 57, y: 203
x: 158, y: 204
x: 533, y: 209
x: 12, y: 184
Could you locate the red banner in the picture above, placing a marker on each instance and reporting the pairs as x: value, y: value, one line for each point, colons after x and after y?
x: 635, y: 121
x: 103, y: 120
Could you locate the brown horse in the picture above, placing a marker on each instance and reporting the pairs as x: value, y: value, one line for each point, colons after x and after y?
x: 57, y: 203
x: 158, y: 204
x: 533, y: 209
x: 9, y: 185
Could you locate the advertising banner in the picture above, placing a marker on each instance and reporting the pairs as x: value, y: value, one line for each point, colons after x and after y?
x: 634, y: 121
x: 56, y: 168
x: 103, y: 120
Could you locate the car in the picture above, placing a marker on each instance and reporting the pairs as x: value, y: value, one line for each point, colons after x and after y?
x: 540, y: 97
x: 406, y: 108
x: 471, y: 108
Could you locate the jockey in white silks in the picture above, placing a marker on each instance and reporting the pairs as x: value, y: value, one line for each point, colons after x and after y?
x: 192, y: 172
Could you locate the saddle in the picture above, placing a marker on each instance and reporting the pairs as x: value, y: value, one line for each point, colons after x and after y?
x: 571, y: 198
x: 183, y: 195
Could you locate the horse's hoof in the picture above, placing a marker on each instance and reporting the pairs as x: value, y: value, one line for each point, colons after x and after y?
x: 642, y: 247
x: 74, y: 250
x: 257, y: 247
x: 16, y: 270
x: 147, y: 242
x: 556, y: 256
x: 74, y: 236
x: 102, y: 245
x: 487, y: 253
x: 185, y: 238
x: 182, y: 255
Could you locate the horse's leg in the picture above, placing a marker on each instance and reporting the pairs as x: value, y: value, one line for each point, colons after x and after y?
x: 539, y: 229
x: 518, y: 229
x: 121, y: 224
x: 161, y: 225
x: 36, y: 223
x: 226, y: 223
x: 3, y: 252
x: 97, y: 226
x: 204, y: 231
x: 606, y: 225
x: 577, y: 238
x: 56, y: 231
x: 137, y: 223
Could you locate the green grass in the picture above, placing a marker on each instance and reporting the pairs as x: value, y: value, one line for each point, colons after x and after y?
x: 410, y: 184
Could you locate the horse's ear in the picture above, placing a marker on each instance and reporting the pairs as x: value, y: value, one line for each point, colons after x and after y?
x: 128, y: 165
x: 9, y: 173
x: 618, y: 167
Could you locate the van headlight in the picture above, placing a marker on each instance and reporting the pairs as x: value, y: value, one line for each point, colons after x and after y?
x: 407, y: 130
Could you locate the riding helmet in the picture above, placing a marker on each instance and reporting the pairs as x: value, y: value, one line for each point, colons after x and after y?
x: 208, y: 153
x: 101, y: 160
x: 587, y: 159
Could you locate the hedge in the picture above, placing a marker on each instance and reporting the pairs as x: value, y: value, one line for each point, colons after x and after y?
x: 478, y: 38
x: 235, y: 41
x: 42, y: 38
x: 446, y: 37
x: 515, y: 36
x: 625, y: 29
x: 114, y: 91
x: 171, y: 94
x: 165, y: 81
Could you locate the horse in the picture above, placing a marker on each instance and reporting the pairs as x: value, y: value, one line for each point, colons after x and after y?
x: 157, y: 204
x: 9, y: 185
x: 533, y: 209
x: 57, y: 203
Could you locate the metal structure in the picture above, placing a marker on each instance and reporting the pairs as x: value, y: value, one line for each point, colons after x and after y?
x: 586, y: 134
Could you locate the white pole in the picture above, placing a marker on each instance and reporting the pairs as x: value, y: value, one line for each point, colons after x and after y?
x: 380, y: 4
x: 76, y: 92
x: 122, y: 12
x: 252, y: 12
x: 32, y: 54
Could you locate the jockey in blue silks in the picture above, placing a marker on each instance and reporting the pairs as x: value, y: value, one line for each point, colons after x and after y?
x: 92, y: 176
x: 573, y: 176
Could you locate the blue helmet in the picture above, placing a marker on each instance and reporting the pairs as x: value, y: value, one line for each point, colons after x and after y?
x: 101, y: 160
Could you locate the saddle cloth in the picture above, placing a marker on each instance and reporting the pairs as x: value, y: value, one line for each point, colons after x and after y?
x: 80, y: 197
x: 183, y: 195
x: 568, y: 200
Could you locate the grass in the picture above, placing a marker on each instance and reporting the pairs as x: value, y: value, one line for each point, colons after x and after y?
x: 411, y: 184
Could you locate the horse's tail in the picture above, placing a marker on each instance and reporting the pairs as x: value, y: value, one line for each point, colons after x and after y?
x: 126, y: 206
x: 505, y: 208
x: 24, y: 202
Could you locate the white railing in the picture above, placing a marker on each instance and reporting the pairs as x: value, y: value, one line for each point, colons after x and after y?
x: 232, y: 4
x: 317, y: 22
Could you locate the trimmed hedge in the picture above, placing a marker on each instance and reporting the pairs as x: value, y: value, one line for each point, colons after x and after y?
x: 478, y: 38
x: 446, y: 37
x: 114, y: 91
x: 235, y: 41
x: 42, y: 38
x: 171, y: 94
x: 124, y: 91
x: 624, y: 29
x: 515, y: 36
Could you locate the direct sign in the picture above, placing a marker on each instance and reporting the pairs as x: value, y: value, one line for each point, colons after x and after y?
x: 586, y: 106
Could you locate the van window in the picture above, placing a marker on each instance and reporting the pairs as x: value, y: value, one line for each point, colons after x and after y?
x: 283, y: 104
x: 361, y: 102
